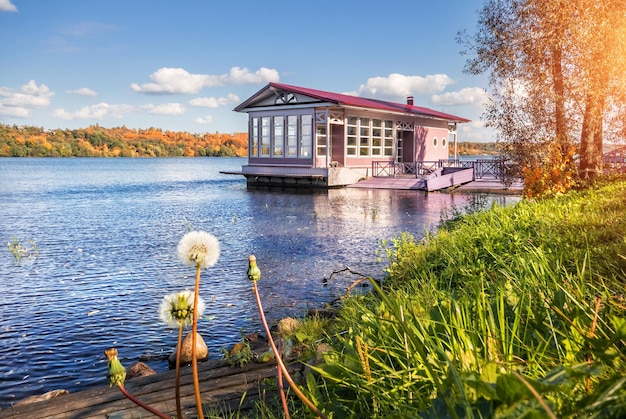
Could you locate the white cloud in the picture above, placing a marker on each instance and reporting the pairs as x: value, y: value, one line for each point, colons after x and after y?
x: 400, y: 85
x: 168, y: 80
x: 6, y: 6
x: 476, y: 132
x: 243, y: 76
x: 213, y: 102
x: 206, y: 120
x: 465, y: 96
x: 20, y: 103
x: 165, y: 109
x: 97, y: 111
x: 83, y: 91
x: 14, y: 111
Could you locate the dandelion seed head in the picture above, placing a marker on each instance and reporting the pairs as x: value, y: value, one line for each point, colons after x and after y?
x: 199, y: 248
x: 177, y: 308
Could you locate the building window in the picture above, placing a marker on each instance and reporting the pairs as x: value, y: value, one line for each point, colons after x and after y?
x: 388, y: 138
x: 377, y: 138
x: 320, y: 139
x: 365, y: 139
x: 265, y: 136
x: 254, y: 137
x: 279, y: 136
x: 444, y: 142
x: 351, y: 136
x: 435, y: 142
x: 292, y: 136
x: 306, y: 135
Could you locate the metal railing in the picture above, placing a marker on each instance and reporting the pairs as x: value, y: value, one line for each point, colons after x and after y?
x: 483, y: 168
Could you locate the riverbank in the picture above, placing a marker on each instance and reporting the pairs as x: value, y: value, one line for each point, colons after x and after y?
x: 511, y: 311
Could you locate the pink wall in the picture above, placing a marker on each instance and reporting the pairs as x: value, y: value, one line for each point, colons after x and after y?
x: 426, y: 148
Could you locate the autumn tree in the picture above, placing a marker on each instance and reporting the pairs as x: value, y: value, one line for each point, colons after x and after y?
x: 556, y: 73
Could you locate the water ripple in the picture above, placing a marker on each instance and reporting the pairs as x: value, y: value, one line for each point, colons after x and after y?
x: 106, y: 232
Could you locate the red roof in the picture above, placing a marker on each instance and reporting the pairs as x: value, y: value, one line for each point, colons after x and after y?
x: 361, y: 102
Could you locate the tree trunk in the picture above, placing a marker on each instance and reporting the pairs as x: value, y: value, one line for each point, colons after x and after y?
x: 591, y: 137
x: 560, y: 128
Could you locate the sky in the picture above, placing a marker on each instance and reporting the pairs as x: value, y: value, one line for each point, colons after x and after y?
x: 185, y: 65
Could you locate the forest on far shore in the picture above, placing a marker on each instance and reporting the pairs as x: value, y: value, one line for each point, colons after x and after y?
x: 97, y: 141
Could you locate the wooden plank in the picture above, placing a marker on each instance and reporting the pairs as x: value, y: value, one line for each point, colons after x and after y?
x: 221, y: 385
x: 438, y: 181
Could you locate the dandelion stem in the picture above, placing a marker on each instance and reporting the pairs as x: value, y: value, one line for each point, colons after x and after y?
x: 283, y: 399
x: 179, y: 349
x: 194, y: 361
x: 141, y: 404
x: 279, y: 360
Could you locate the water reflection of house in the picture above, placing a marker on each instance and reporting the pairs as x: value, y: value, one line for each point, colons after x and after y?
x: 301, y: 136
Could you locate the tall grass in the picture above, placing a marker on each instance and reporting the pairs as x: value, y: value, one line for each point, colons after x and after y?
x: 510, y: 312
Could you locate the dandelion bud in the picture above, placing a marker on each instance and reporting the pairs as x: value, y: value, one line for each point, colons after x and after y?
x: 254, y: 273
x: 116, y: 371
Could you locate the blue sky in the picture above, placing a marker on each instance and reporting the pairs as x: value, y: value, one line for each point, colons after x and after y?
x: 184, y: 65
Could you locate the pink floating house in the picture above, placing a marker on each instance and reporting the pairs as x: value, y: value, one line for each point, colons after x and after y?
x: 300, y: 136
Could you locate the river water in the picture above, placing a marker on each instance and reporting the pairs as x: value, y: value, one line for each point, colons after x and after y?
x: 106, y: 232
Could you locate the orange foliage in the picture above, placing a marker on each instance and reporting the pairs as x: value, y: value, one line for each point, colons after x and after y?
x: 119, y: 141
x: 554, y: 175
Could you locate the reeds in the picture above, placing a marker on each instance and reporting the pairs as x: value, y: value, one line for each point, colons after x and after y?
x: 514, y: 311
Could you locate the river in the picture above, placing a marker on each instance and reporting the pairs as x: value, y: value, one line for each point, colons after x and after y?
x: 100, y: 236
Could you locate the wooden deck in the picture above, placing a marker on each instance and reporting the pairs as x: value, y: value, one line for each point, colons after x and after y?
x: 222, y: 388
x: 484, y: 185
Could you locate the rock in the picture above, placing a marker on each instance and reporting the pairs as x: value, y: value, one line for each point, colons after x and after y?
x: 202, y: 351
x: 287, y: 326
x: 139, y: 369
x: 46, y: 396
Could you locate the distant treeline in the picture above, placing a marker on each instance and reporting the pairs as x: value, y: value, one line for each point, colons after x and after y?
x: 477, y: 149
x: 96, y: 141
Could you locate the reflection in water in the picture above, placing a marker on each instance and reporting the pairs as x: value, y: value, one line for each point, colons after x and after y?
x: 107, y: 231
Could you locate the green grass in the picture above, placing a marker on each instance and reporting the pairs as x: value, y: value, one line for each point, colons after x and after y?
x: 510, y: 312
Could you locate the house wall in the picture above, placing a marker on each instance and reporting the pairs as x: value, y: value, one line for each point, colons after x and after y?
x: 432, y: 143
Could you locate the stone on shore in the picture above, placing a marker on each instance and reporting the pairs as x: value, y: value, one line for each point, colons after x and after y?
x: 202, y: 351
x: 138, y: 369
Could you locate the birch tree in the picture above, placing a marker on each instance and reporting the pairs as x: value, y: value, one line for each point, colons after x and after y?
x: 557, y: 75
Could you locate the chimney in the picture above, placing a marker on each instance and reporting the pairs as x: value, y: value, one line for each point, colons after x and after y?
x: 409, y: 100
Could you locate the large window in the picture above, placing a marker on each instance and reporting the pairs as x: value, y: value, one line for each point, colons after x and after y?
x: 282, y: 135
x: 306, y: 135
x: 367, y: 137
x: 265, y: 136
x: 292, y: 136
x: 279, y: 136
x: 254, y: 137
